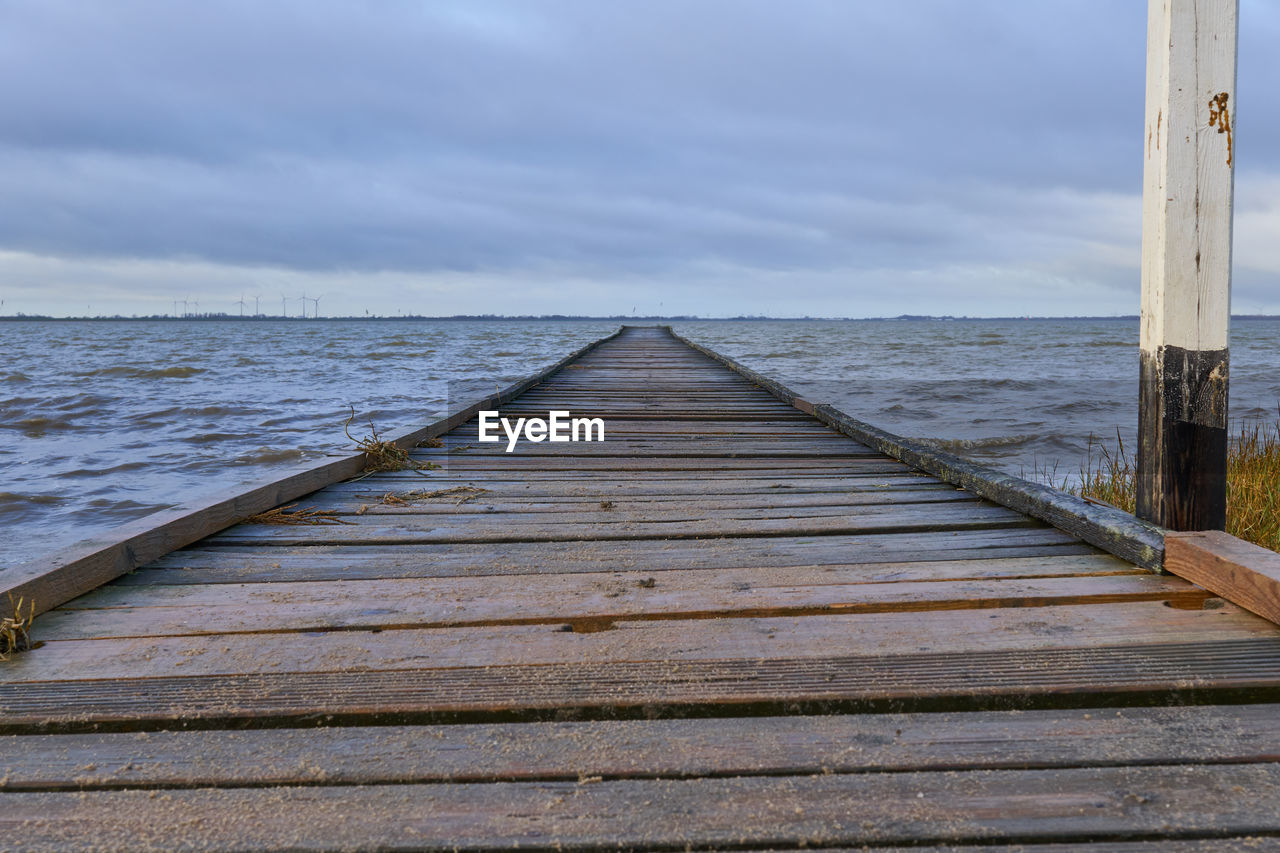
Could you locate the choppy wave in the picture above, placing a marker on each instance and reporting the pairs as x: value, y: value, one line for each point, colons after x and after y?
x: 123, y: 509
x: 82, y: 473
x: 1090, y: 344
x: 135, y: 372
x: 270, y: 456
x: 37, y: 426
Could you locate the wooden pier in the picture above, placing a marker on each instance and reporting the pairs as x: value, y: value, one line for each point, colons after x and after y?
x: 727, y: 626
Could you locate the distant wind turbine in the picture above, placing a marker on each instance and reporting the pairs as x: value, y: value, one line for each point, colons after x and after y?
x: 241, y: 303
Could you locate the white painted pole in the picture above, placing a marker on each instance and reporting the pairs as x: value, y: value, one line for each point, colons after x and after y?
x: 1188, y: 182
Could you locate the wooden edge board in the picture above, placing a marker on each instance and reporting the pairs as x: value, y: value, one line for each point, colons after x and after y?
x: 1110, y: 529
x: 1239, y: 571
x: 57, y: 578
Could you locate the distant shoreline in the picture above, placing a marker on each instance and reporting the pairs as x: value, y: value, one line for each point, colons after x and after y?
x: 233, y: 318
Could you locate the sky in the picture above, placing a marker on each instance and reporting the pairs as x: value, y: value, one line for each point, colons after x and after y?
x: 840, y: 158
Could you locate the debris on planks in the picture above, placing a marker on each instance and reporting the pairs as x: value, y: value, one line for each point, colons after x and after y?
x: 464, y: 494
x: 15, y: 630
x: 288, y: 515
x: 383, y: 455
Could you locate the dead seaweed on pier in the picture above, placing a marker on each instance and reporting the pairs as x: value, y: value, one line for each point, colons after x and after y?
x: 382, y: 455
x: 288, y: 515
x: 15, y: 630
x: 464, y: 494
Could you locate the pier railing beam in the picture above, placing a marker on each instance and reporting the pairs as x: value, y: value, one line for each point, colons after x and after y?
x: 1186, y: 262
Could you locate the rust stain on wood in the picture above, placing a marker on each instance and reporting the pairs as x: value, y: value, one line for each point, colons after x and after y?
x: 1220, y: 118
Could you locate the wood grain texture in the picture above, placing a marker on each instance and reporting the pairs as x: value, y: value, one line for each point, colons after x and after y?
x: 1163, y: 672
x: 1069, y: 805
x: 745, y: 639
x: 408, y: 529
x: 638, y: 749
x: 1238, y: 571
x: 584, y: 600
x: 1188, y: 174
x: 229, y: 564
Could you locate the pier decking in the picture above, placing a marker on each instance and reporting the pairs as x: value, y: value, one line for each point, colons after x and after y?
x: 726, y: 626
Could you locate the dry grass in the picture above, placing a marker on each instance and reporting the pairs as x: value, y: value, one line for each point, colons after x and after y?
x: 1253, y: 485
x: 1253, y: 482
x: 383, y: 455
x: 1109, y: 478
x: 15, y: 630
x: 288, y: 515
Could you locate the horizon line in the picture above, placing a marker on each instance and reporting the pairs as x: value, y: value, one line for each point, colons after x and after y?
x: 223, y: 317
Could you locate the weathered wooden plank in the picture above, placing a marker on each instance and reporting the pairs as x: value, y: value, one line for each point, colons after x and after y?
x: 621, y: 749
x: 1237, y: 570
x: 614, y: 447
x: 582, y: 600
x: 776, y: 465
x: 623, y: 427
x: 753, y: 639
x: 872, y: 471
x: 986, y: 805
x: 664, y: 486
x: 410, y: 529
x: 645, y: 413
x: 320, y: 562
x: 506, y: 503
x: 1129, y: 674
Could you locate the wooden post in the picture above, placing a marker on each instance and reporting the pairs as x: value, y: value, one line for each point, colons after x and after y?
x: 1186, y: 262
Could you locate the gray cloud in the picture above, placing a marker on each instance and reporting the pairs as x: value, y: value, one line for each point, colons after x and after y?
x: 641, y: 144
